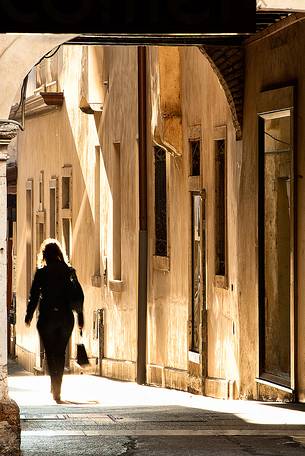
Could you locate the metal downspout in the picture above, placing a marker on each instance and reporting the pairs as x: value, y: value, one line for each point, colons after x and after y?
x: 142, y: 263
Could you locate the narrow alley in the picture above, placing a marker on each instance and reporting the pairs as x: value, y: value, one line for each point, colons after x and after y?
x: 100, y: 416
x: 165, y: 171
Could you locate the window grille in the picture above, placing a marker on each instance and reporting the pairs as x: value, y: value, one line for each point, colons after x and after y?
x: 66, y: 182
x: 66, y: 231
x: 53, y: 208
x: 160, y: 202
x: 195, y: 158
x: 29, y: 234
x: 220, y: 208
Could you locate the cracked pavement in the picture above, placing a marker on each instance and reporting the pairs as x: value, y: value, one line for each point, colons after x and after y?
x: 99, y: 416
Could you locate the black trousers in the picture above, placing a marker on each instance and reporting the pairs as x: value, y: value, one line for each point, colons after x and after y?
x: 55, y: 333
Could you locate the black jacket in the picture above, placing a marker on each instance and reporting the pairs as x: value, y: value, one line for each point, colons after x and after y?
x: 50, y: 289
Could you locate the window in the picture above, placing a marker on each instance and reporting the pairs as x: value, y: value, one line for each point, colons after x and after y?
x: 41, y: 191
x: 116, y: 226
x: 220, y: 207
x: 40, y: 214
x: 53, y: 207
x: 66, y: 182
x: 195, y: 157
x: 29, y: 234
x: 66, y: 236
x: 160, y: 202
x: 40, y: 229
x: 197, y: 267
x: 276, y: 251
x: 11, y: 209
x: 196, y: 271
x: 66, y: 208
x: 96, y: 278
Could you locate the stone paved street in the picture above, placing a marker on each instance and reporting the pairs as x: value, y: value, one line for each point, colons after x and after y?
x: 104, y: 417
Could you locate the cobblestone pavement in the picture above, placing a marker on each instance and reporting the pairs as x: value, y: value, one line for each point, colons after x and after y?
x: 103, y: 417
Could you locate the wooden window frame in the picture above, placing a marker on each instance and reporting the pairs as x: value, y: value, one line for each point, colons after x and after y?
x: 66, y: 172
x: 195, y: 187
x: 53, y: 186
x: 29, y: 236
x: 219, y: 134
x: 161, y: 262
x: 66, y: 213
x: 191, y: 163
x: 270, y: 103
x: 96, y: 277
x: 40, y: 220
x: 117, y: 214
x: 41, y: 191
x: 116, y: 284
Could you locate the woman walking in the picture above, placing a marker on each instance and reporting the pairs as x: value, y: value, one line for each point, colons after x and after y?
x: 50, y: 289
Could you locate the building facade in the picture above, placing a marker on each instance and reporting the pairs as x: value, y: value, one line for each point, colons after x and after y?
x: 73, y: 191
x: 224, y: 211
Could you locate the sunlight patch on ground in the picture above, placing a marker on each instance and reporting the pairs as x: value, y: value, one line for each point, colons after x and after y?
x: 93, y: 390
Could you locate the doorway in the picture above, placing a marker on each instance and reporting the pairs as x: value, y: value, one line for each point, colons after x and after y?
x: 197, y: 354
x: 276, y: 248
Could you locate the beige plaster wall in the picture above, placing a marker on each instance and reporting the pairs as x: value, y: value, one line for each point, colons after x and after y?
x: 271, y: 62
x: 204, y: 103
x: 201, y: 102
x: 68, y: 136
x: 18, y: 54
x: 119, y: 125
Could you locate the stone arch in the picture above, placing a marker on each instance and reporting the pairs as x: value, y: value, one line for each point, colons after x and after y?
x: 228, y: 65
x: 18, y: 54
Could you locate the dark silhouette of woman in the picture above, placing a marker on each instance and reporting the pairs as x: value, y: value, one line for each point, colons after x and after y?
x: 55, y: 323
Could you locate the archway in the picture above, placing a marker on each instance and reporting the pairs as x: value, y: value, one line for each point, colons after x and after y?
x: 17, y: 63
x: 9, y: 130
x: 18, y: 54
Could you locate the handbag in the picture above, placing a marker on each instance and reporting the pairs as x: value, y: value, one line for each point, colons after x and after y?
x: 75, y: 292
x: 81, y: 354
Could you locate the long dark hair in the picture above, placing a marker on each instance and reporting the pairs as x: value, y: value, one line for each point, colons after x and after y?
x: 50, y: 251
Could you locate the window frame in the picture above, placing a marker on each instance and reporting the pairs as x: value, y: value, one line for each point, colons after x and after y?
x: 221, y: 280
x: 66, y: 213
x: 269, y: 103
x: 161, y: 262
x: 191, y: 162
x: 29, y: 244
x: 53, y: 186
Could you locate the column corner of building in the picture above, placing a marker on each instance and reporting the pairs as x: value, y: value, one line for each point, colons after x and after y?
x: 10, y: 431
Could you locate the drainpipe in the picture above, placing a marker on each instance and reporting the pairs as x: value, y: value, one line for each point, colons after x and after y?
x: 142, y: 263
